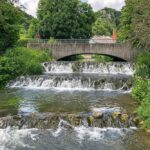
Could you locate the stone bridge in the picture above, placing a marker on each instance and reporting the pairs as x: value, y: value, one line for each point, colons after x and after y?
x: 61, y: 50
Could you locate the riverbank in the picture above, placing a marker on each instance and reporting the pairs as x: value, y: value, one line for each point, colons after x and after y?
x: 21, y: 61
x: 141, y: 89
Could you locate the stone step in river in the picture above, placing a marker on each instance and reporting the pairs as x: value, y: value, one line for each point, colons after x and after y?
x: 72, y: 106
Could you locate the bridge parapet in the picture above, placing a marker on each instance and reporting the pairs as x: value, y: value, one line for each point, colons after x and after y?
x: 63, y: 49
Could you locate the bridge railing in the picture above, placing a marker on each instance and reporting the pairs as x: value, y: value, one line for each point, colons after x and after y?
x: 71, y: 41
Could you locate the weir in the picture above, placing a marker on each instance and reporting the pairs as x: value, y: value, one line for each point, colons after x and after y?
x: 76, y: 104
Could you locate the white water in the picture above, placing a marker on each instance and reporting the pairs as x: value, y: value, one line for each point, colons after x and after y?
x: 60, y: 83
x: 28, y: 139
x: 89, y: 67
x: 66, y: 136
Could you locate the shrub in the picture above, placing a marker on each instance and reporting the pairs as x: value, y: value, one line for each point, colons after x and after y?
x: 143, y: 65
x: 21, y: 61
x: 141, y: 89
x: 144, y: 111
x: 52, y: 41
x: 22, y: 42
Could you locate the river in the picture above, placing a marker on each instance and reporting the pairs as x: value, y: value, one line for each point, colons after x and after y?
x: 72, y: 106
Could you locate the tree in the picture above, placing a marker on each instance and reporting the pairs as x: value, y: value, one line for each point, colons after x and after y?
x: 33, y: 28
x: 65, y: 19
x: 135, y: 23
x: 107, y: 19
x: 110, y: 15
x: 9, y: 29
x: 141, y: 24
x: 125, y: 30
x: 101, y: 27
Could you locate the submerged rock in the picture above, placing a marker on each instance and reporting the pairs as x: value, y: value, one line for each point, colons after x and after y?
x: 52, y: 120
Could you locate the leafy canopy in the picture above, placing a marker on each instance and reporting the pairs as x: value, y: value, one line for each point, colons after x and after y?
x: 9, y: 30
x: 135, y: 23
x: 65, y: 19
x: 107, y: 19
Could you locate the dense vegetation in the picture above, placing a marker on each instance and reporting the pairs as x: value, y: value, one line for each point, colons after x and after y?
x: 24, y: 24
x: 9, y: 25
x: 107, y: 19
x: 20, y: 61
x: 16, y: 61
x: 134, y: 27
x: 141, y: 90
x: 66, y: 19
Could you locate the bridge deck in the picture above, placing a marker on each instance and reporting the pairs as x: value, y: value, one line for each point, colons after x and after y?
x: 61, y: 50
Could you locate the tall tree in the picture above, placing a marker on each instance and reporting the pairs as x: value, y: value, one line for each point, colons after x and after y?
x: 9, y: 29
x: 102, y: 27
x: 33, y: 28
x: 65, y: 19
x: 126, y: 20
x: 141, y: 24
x: 107, y: 19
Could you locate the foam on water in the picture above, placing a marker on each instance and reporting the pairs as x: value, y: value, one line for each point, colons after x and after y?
x: 89, y: 67
x: 75, y: 83
x: 106, y: 109
x: 11, y: 139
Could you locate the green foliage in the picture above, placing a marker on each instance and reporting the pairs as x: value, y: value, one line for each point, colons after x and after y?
x: 24, y: 24
x: 65, y: 19
x: 52, y: 41
x: 135, y: 23
x: 125, y: 30
x: 141, y: 89
x: 143, y: 65
x: 22, y: 42
x: 21, y: 61
x: 144, y: 110
x: 33, y: 28
x: 141, y: 24
x: 102, y: 27
x: 107, y: 19
x: 9, y: 29
x: 100, y: 58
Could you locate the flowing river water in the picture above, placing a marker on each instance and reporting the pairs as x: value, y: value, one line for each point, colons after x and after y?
x: 72, y: 106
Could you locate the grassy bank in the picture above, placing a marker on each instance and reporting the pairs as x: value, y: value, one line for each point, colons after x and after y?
x: 21, y: 61
x: 141, y: 90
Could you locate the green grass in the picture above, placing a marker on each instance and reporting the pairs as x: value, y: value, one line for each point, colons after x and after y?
x: 21, y: 61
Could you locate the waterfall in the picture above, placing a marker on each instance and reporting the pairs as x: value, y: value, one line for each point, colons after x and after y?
x: 89, y: 67
x: 80, y: 76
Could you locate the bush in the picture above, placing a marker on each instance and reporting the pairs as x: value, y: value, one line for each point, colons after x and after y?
x: 52, y: 41
x: 144, y: 110
x: 22, y: 42
x: 141, y: 89
x: 21, y: 61
x: 143, y: 65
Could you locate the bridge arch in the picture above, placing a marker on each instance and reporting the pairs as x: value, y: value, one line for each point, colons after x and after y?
x: 120, y: 51
x: 60, y: 50
x: 115, y: 58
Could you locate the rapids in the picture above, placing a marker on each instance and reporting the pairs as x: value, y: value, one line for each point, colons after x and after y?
x: 72, y: 106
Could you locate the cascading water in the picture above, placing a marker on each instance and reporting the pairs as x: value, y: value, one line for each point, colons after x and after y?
x: 89, y: 67
x: 80, y: 106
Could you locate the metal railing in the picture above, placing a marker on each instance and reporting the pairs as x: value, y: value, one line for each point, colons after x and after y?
x: 59, y: 41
